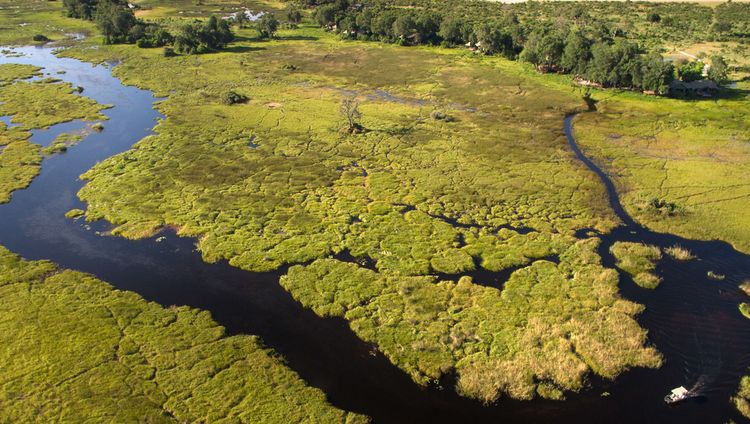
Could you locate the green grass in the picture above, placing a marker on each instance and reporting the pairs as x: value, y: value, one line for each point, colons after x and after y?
x: 21, y: 21
x: 74, y: 350
x: 415, y: 195
x: 549, y: 327
x: 638, y: 260
x: 691, y: 154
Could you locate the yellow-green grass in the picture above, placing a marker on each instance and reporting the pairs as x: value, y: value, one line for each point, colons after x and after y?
x: 64, y: 141
x: 549, y: 327
x: 742, y: 399
x: 41, y: 104
x: 20, y: 161
x: 692, y: 155
x: 11, y: 72
x: 745, y: 309
x: 34, y: 105
x: 416, y: 195
x: 20, y: 21
x: 679, y: 253
x: 639, y: 260
x: 75, y: 349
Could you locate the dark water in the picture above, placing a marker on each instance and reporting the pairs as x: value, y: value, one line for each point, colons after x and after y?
x: 692, y: 320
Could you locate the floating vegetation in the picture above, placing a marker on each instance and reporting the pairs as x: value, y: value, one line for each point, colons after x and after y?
x: 742, y: 399
x: 46, y: 103
x: 745, y: 287
x: 62, y: 142
x: 549, y: 327
x: 74, y: 213
x: 679, y: 253
x: 745, y: 309
x: 10, y: 72
x: 639, y: 260
x: 715, y: 276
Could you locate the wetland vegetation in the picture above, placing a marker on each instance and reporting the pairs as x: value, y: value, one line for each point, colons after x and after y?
x: 454, y: 168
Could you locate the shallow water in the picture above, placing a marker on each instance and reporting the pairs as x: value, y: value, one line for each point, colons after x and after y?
x: 692, y: 320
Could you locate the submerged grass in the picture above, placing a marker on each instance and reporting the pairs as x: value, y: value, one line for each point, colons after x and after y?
x: 639, y: 260
x: 74, y: 350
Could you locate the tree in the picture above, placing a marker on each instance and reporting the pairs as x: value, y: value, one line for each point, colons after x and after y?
x: 492, y: 40
x: 188, y: 41
x: 718, y: 70
x: 577, y: 53
x: 690, y: 71
x: 403, y: 27
x: 450, y: 30
x: 293, y: 15
x: 80, y: 9
x: 350, y: 112
x: 544, y: 49
x: 656, y: 74
x: 267, y: 25
x: 114, y: 19
x: 240, y: 18
x: 325, y: 15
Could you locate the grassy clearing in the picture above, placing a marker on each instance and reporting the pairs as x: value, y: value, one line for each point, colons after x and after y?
x: 77, y: 350
x: 679, y: 253
x: 638, y: 260
x: 678, y: 165
x: 540, y: 336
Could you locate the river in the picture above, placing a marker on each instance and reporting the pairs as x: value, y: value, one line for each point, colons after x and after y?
x: 692, y: 320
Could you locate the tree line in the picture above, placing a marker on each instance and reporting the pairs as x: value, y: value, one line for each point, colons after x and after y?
x: 118, y: 24
x: 581, y: 46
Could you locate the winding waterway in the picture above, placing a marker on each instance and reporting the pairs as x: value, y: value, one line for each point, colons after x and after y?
x: 692, y: 320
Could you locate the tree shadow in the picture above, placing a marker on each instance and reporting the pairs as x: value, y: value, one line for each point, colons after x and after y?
x: 242, y: 49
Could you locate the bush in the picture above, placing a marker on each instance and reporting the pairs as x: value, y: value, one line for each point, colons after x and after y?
x: 232, y: 97
x: 40, y: 38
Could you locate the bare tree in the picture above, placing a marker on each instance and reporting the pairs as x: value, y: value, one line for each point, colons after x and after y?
x: 350, y: 111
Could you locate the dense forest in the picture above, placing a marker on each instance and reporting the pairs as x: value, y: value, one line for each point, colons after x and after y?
x: 606, y: 44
